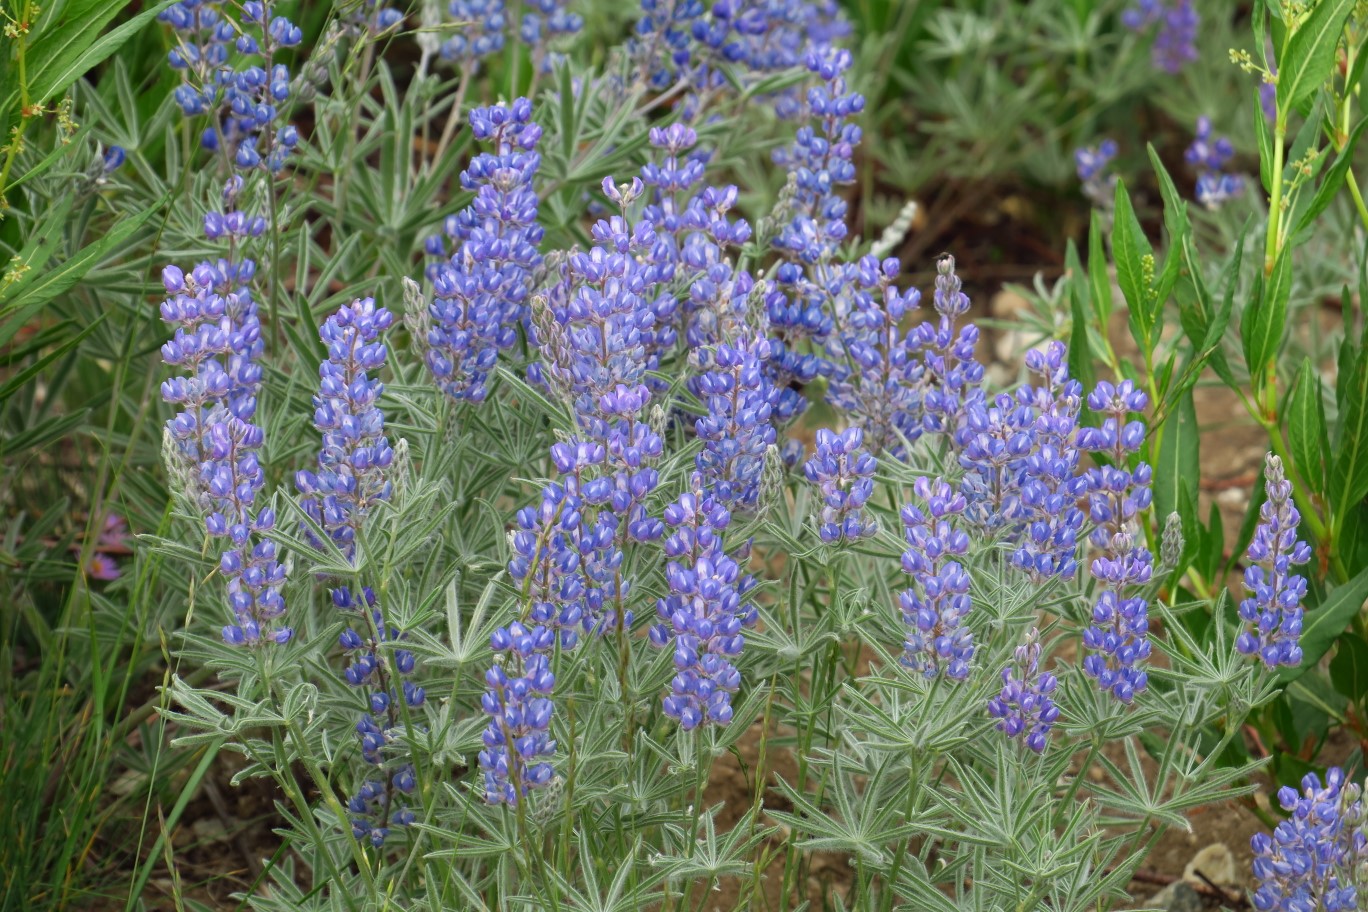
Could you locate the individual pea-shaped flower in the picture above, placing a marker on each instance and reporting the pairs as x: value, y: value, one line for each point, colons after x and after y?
x: 1272, y: 612
x: 844, y: 474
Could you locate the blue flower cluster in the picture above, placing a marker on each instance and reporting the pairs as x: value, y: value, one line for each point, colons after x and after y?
x: 244, y: 99
x: 1093, y: 165
x: 954, y: 378
x: 703, y: 617
x: 353, y: 463
x: 876, y: 371
x: 843, y: 471
x: 218, y: 342
x: 1175, y: 44
x: 1273, y: 609
x: 1117, y: 641
x: 382, y: 671
x: 935, y: 606
x: 1311, y: 861
x: 1024, y: 706
x: 820, y: 161
x: 738, y: 427
x: 481, y: 290
x: 693, y: 235
x: 681, y: 40
x: 1050, y: 485
x: 482, y: 28
x: 517, y: 740
x: 1209, y: 156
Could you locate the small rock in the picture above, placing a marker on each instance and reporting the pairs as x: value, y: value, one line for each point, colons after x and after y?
x: 1216, y: 862
x: 1233, y: 498
x: 1007, y: 304
x: 1176, y: 897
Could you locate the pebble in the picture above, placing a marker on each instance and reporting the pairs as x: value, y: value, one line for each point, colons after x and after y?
x: 1176, y: 897
x: 1217, y: 862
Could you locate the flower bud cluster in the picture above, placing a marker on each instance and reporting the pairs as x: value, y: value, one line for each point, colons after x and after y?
x: 356, y: 455
x: 1025, y: 707
x: 935, y: 606
x: 843, y: 471
x: 382, y: 672
x: 481, y: 290
x: 244, y: 99
x: 1272, y: 612
x: 703, y: 616
x: 1311, y: 861
x: 1117, y: 641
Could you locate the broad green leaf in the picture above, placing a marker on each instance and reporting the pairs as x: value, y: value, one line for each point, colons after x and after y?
x: 1325, y: 622
x: 1099, y: 283
x: 1309, y: 57
x: 1306, y: 429
x: 1264, y: 133
x: 1135, y: 271
x: 1177, y: 468
x: 1080, y: 353
x: 1213, y: 543
x: 1263, y: 322
x: 1333, y: 180
x: 1175, y: 207
x: 1349, y: 474
x: 1349, y: 667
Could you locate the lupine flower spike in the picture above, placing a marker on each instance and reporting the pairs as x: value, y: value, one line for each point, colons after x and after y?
x: 1024, y: 707
x: 1117, y: 641
x: 935, y: 606
x: 1272, y: 612
x: 843, y: 471
x: 703, y: 617
x: 1311, y: 862
x: 1209, y: 156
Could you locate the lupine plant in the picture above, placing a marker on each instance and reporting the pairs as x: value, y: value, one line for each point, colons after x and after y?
x: 498, y: 532
x: 560, y: 550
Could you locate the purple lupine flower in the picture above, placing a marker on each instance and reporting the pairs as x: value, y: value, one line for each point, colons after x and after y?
x: 483, y: 24
x: 547, y: 564
x: 112, y: 159
x: 820, y: 161
x: 953, y: 376
x: 517, y: 740
x: 876, y: 375
x: 738, y: 427
x: 383, y: 673
x: 356, y: 454
x: 1093, y: 165
x: 245, y: 100
x: 996, y: 441
x: 1209, y: 157
x: 1311, y: 861
x: 1272, y: 611
x: 545, y: 19
x: 592, y: 333
x: 844, y: 473
x: 1117, y: 641
x: 1024, y: 707
x: 481, y: 291
x: 693, y: 232
x: 232, y: 476
x: 1050, y: 484
x: 935, y: 606
x: 663, y: 47
x: 1175, y: 44
x: 376, y: 18
x: 703, y: 617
